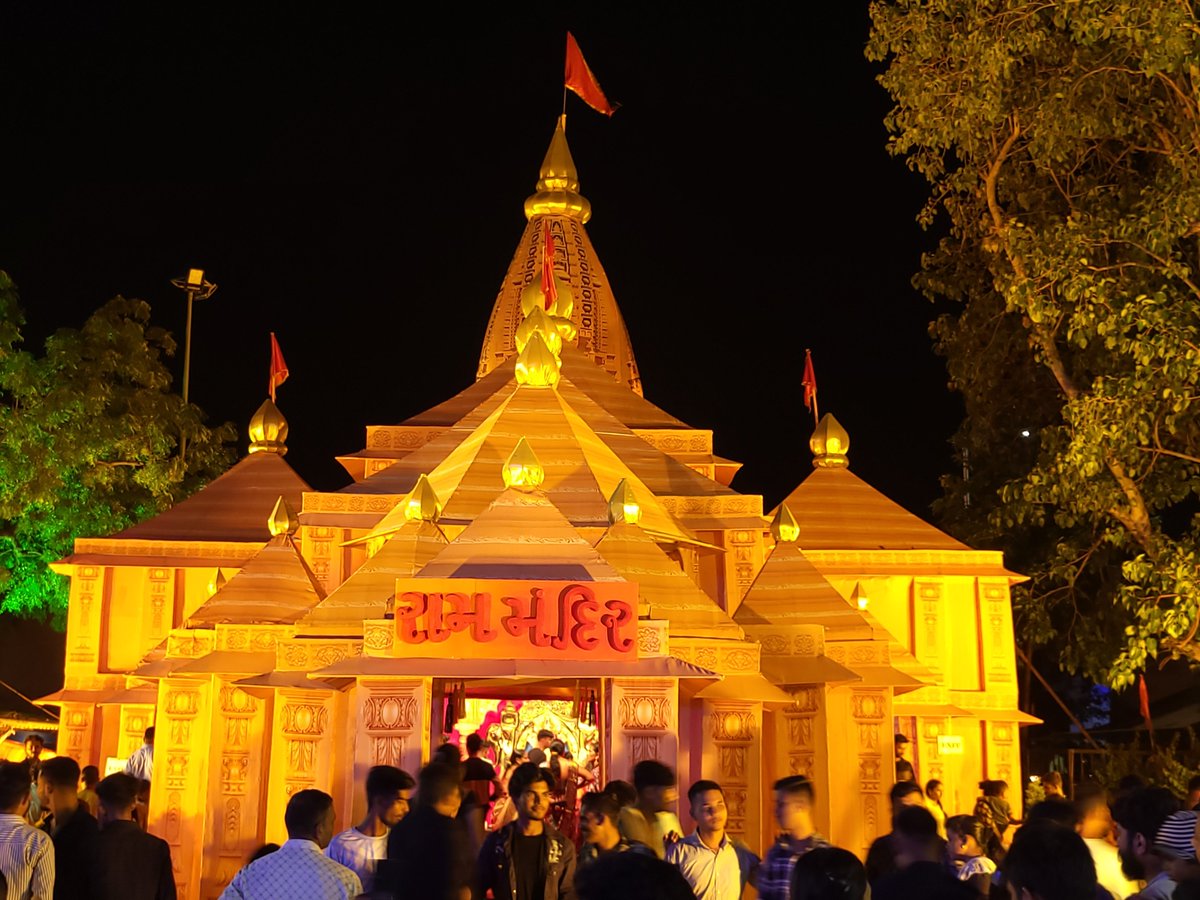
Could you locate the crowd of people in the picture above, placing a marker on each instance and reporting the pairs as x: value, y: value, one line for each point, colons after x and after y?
x: 540, y: 829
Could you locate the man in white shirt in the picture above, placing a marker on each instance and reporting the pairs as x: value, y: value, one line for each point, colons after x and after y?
x: 298, y: 868
x: 141, y: 764
x: 26, y: 853
x: 709, y: 861
x: 1096, y: 830
x: 360, y: 848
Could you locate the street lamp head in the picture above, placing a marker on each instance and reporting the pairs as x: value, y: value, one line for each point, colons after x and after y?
x: 195, y: 278
x: 194, y: 285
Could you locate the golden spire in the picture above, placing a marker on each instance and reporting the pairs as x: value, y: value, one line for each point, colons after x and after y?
x: 558, y: 182
x: 538, y: 365
x: 282, y: 520
x: 623, y: 505
x: 536, y: 321
x: 268, y: 430
x: 422, y: 503
x: 522, y: 469
x: 784, y: 528
x: 830, y: 443
x: 218, y: 581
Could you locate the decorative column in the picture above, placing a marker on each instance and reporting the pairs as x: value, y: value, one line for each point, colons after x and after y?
x: 390, y: 727
x: 733, y: 761
x: 135, y: 719
x: 928, y: 624
x: 644, y: 724
x: 178, y: 795
x: 301, y: 751
x: 76, y: 731
x: 860, y: 764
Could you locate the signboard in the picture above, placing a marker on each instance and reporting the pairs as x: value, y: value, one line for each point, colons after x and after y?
x: 950, y: 745
x: 460, y: 618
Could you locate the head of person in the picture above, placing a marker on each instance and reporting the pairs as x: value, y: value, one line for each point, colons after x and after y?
x: 901, y: 742
x: 34, y: 745
x: 934, y: 790
x: 118, y: 795
x: 964, y: 836
x: 622, y: 791
x: 915, y: 837
x: 706, y: 802
x: 1058, y: 810
x: 536, y: 756
x: 1139, y: 815
x: 544, y: 738
x: 1053, y: 784
x: 1095, y: 816
x: 447, y: 755
x: 1174, y: 844
x: 439, y: 787
x: 1049, y: 862
x: 309, y: 817
x: 1193, y: 792
x: 598, y: 815
x: 474, y: 744
x: 14, y: 788
x: 794, y: 798
x: 906, y: 793
x: 389, y: 791
x: 631, y: 876
x: 655, y: 785
x: 90, y: 776
x: 58, y: 784
x: 148, y: 737
x: 828, y: 873
x: 994, y: 788
x: 558, y: 748
x: 530, y: 788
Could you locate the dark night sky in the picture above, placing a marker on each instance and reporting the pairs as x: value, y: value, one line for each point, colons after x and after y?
x: 354, y: 182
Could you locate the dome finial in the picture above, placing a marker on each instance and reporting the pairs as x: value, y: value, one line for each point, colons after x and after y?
x: 522, y: 469
x: 558, y: 182
x: 422, y: 504
x: 623, y: 505
x: 282, y: 520
x: 268, y: 430
x: 784, y: 528
x: 830, y: 443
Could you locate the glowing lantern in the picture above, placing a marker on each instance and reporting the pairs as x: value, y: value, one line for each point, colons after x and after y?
x: 522, y: 469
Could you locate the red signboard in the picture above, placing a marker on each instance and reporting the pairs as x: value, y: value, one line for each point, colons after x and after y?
x: 473, y: 618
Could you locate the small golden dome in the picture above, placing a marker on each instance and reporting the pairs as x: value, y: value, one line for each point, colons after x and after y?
x: 268, y: 430
x: 558, y: 182
x: 537, y: 365
x: 218, y: 581
x: 523, y: 469
x: 282, y: 520
x: 830, y: 443
x: 422, y: 503
x: 533, y: 297
x: 784, y: 528
x: 623, y: 505
x: 536, y: 320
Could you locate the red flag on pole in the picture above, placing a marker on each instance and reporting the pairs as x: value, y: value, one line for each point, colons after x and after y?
x: 579, y: 78
x: 1144, y: 705
x: 279, y: 369
x: 809, y: 381
x: 549, y: 288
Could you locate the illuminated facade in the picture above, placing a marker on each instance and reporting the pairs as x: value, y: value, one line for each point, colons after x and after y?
x: 547, y: 547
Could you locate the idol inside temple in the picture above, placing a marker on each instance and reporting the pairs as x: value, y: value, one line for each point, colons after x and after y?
x: 546, y: 551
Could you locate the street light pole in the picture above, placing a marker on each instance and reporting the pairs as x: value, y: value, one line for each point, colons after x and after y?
x: 196, y: 288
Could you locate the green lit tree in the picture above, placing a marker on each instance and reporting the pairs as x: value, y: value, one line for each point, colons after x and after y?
x: 1061, y: 143
x: 89, y: 442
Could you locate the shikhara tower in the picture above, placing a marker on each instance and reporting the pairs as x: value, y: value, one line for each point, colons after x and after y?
x: 546, y: 534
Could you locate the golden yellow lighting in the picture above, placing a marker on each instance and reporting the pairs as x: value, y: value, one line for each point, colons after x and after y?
x: 863, y: 602
x: 195, y: 278
x: 522, y: 470
x: 784, y: 528
x: 282, y: 519
x: 268, y: 430
x: 537, y: 321
x: 422, y: 503
x: 829, y: 444
x: 858, y: 597
x: 218, y: 581
x: 623, y: 505
x: 537, y: 366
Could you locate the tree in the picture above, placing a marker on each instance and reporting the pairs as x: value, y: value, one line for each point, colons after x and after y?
x: 89, y: 435
x: 1061, y: 143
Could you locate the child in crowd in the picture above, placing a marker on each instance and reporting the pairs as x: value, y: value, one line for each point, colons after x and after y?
x: 965, y: 846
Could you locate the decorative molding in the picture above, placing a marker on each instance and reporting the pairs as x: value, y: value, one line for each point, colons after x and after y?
x: 350, y: 503
x: 677, y: 440
x: 387, y: 712
x: 304, y: 719
x: 645, y: 712
x: 401, y: 437
x: 715, y: 506
x: 233, y: 553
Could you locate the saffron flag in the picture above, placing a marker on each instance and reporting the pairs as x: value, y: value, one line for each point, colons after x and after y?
x: 1144, y: 704
x: 579, y: 78
x: 279, y: 369
x: 809, y: 381
x: 549, y: 288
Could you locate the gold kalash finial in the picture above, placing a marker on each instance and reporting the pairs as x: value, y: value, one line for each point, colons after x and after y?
x: 547, y: 304
x: 829, y: 444
x: 268, y: 430
x: 558, y: 182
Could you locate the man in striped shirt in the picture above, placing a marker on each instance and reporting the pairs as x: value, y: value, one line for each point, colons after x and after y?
x: 26, y: 854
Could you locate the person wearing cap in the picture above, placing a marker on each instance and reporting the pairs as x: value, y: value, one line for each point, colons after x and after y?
x: 1174, y: 843
x: 1140, y: 815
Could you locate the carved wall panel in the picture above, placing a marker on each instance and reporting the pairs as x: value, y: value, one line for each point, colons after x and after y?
x: 735, y: 732
x: 644, y: 717
x: 927, y: 619
x: 391, y: 728
x: 871, y: 711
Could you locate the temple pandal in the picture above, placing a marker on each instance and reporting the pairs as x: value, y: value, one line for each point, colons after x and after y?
x: 547, y: 548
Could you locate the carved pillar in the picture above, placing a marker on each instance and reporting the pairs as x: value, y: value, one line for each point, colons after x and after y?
x: 734, y: 761
x: 645, y: 723
x: 318, y: 545
x: 160, y: 606
x: 84, y: 616
x: 743, y: 560
x: 930, y: 762
x: 135, y: 719
x: 301, y: 751
x: 391, y: 728
x: 76, y: 732
x: 235, y: 786
x: 178, y: 795
x: 928, y: 623
x: 996, y: 636
x: 1000, y: 759
x: 859, y: 723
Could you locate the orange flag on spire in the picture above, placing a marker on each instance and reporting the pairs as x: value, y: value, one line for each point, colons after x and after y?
x: 809, y: 381
x: 549, y: 288
x: 279, y: 369
x: 1144, y: 706
x: 579, y: 78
